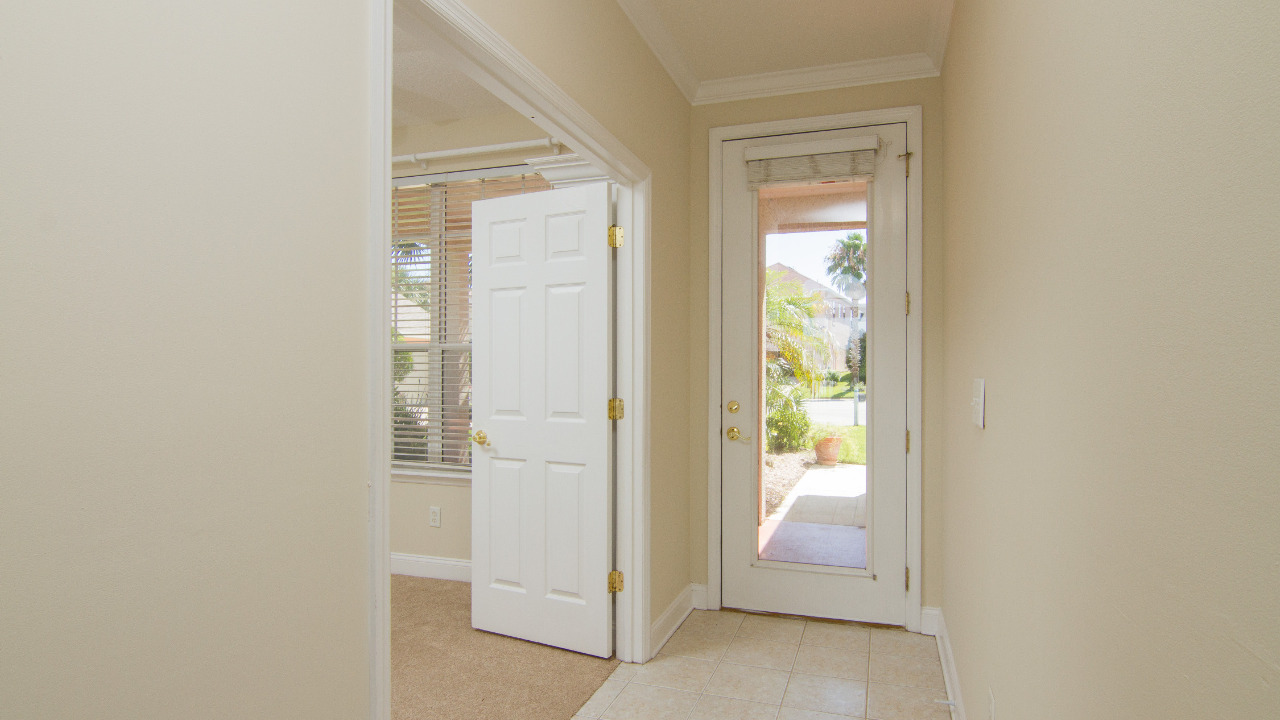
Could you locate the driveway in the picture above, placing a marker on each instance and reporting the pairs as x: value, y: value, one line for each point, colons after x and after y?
x: 837, y: 412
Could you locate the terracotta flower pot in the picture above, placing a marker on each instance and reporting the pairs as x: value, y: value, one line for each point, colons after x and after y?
x: 828, y: 450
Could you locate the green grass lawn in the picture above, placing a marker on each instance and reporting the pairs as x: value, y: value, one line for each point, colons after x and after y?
x: 854, y: 449
x: 838, y: 390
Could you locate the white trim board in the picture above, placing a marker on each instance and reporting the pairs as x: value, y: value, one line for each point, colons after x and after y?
x: 426, y: 566
x: 913, y: 117
x: 378, y: 355
x: 949, y: 673
x: 648, y: 23
x: 667, y: 623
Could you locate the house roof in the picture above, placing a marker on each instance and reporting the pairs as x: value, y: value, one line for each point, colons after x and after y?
x: 790, y: 274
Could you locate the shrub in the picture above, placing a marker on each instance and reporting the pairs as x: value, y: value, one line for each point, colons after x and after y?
x: 786, y: 421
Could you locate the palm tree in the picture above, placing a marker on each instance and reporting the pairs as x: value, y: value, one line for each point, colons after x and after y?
x: 790, y: 330
x: 847, y: 263
x: 789, y: 327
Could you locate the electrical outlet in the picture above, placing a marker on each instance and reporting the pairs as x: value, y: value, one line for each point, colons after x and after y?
x: 991, y: 714
x: 435, y: 517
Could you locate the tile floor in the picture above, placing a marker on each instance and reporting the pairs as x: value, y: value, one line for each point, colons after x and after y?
x: 736, y: 666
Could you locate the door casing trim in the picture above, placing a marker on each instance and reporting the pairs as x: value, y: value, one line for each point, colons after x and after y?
x: 913, y: 117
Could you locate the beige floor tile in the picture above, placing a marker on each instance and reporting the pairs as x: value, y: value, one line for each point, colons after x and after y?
x: 748, y: 683
x: 840, y: 635
x: 625, y: 672
x: 906, y: 670
x: 789, y: 713
x: 713, y: 622
x: 761, y: 653
x: 831, y: 662
x: 892, y: 641
x: 712, y: 707
x: 698, y: 643
x: 647, y: 702
x: 831, y: 695
x: 773, y: 629
x: 896, y: 702
x: 675, y: 671
x: 602, y: 697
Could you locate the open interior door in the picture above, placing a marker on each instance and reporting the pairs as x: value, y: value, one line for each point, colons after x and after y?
x: 542, y: 469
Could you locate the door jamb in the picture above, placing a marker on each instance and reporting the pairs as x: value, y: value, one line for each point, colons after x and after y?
x: 494, y: 63
x: 913, y: 117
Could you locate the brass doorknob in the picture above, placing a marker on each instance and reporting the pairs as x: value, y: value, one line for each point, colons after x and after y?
x: 481, y: 438
x: 733, y: 406
x: 733, y: 433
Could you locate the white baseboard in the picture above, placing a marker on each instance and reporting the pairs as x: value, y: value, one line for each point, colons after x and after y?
x: 425, y: 566
x: 699, y: 597
x: 667, y: 623
x: 948, y: 662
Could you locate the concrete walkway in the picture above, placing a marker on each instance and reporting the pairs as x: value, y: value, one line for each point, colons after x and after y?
x: 822, y: 521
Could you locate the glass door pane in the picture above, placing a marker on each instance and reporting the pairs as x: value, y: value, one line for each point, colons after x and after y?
x: 813, y: 476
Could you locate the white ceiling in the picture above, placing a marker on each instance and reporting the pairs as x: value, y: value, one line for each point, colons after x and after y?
x: 427, y: 89
x: 718, y: 50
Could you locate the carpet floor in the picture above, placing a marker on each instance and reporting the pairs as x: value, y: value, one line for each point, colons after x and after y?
x: 442, y: 669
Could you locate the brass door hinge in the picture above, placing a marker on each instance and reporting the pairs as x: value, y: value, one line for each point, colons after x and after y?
x: 615, y: 409
x: 908, y: 441
x: 615, y: 581
x: 908, y: 302
x: 907, y: 155
x: 615, y: 236
x: 908, y: 579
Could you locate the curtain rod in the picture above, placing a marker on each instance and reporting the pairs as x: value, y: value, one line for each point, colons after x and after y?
x: 421, y: 158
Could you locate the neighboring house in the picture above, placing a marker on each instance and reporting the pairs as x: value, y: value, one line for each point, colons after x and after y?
x: 839, y: 317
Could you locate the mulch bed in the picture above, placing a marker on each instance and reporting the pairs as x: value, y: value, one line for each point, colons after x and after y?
x: 781, y: 473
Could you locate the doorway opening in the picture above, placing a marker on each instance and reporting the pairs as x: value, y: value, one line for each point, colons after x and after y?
x: 470, y: 120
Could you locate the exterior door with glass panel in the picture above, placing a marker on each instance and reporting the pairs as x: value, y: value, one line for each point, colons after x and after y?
x: 814, y: 372
x: 542, y: 473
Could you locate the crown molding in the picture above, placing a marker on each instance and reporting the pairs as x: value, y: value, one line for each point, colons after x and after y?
x: 939, y: 31
x: 644, y: 16
x: 826, y: 77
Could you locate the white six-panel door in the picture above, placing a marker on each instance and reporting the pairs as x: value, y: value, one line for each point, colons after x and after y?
x: 542, y: 535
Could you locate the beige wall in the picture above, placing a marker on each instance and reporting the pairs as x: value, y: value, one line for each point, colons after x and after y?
x: 593, y: 53
x: 926, y: 93
x: 411, y: 531
x: 1111, y: 536
x: 182, y: 225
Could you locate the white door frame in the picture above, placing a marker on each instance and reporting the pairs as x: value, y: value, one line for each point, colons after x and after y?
x: 494, y: 63
x: 913, y: 117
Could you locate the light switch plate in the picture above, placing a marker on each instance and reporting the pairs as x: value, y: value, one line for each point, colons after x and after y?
x: 979, y: 402
x: 434, y: 519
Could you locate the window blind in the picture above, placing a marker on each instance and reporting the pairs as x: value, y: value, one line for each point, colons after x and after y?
x: 431, y: 315
x: 846, y: 165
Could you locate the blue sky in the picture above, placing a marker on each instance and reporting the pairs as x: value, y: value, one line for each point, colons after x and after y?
x: 804, y: 251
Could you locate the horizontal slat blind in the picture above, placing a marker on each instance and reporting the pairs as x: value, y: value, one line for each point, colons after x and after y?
x: 431, y: 315
x: 849, y: 165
